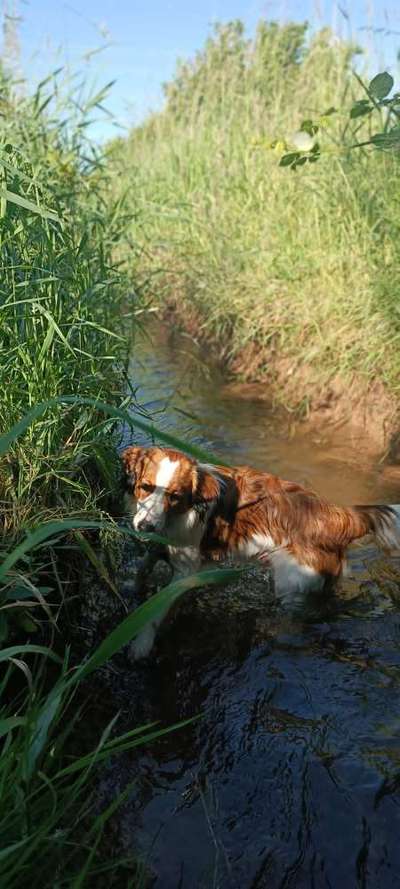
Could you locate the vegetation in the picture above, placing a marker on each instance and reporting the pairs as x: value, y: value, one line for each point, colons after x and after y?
x: 66, y: 323
x: 203, y: 214
x: 306, y: 140
x: 301, y: 268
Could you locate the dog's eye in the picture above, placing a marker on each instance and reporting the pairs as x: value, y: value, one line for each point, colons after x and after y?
x: 174, y: 498
x: 147, y: 488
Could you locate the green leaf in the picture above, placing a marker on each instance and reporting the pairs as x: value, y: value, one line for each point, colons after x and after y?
x: 123, y: 633
x: 33, y: 539
x: 96, y: 561
x: 45, y: 718
x: 289, y: 159
x: 14, y: 650
x: 135, y: 622
x: 9, y: 850
x: 387, y: 140
x: 19, y: 428
x: 95, y: 100
x: 26, y: 623
x: 131, y: 739
x: 28, y: 205
x: 308, y: 126
x: 361, y: 108
x: 53, y: 529
x: 6, y: 725
x: 381, y: 85
x: 18, y: 592
x: 53, y: 326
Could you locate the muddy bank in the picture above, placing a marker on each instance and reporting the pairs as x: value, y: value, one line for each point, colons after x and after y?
x: 363, y: 410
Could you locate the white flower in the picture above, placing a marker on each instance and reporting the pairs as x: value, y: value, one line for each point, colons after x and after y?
x: 303, y: 141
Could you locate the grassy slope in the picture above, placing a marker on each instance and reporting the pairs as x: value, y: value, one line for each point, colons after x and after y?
x: 304, y: 263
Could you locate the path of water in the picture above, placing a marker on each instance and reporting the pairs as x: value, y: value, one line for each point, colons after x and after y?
x: 291, y: 778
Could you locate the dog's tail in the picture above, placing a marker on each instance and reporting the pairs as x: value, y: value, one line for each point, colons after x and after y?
x: 383, y: 522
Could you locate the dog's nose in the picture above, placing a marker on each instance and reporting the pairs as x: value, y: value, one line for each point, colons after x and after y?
x: 145, y: 525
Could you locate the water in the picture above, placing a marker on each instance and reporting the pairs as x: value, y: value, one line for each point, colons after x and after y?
x: 291, y: 778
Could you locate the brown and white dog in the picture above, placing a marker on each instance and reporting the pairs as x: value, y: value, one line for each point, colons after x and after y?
x: 212, y: 512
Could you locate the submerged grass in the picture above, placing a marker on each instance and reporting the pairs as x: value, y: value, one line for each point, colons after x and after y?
x: 67, y: 310
x: 301, y: 265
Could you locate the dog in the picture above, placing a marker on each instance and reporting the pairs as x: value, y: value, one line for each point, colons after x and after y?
x: 214, y: 512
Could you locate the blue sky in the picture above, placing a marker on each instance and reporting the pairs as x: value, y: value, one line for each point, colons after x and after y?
x: 142, y: 40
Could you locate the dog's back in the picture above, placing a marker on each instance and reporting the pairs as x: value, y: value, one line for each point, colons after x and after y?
x: 303, y: 536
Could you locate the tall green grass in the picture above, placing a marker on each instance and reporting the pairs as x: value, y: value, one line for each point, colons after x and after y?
x: 61, y: 291
x: 303, y: 267
x: 60, y: 295
x: 68, y: 306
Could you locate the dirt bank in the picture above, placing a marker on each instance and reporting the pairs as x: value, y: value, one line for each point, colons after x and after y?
x: 362, y: 410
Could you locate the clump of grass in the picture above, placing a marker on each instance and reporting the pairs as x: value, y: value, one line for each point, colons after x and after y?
x: 50, y: 827
x: 65, y: 318
x: 61, y: 292
x: 63, y: 314
x: 304, y: 264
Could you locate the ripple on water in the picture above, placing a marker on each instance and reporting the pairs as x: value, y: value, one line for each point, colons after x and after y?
x: 291, y: 776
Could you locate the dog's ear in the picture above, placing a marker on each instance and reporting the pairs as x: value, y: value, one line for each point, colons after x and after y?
x: 130, y: 459
x: 205, y: 486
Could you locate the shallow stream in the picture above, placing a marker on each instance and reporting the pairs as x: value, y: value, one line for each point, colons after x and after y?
x: 291, y: 777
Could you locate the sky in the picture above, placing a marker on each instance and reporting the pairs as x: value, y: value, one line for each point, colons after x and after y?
x: 139, y: 42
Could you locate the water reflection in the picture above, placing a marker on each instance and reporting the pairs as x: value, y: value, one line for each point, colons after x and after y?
x: 185, y: 395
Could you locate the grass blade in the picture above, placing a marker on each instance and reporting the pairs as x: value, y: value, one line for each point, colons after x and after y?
x: 7, y: 439
x: 13, y: 650
x: 134, y: 623
x: 20, y: 201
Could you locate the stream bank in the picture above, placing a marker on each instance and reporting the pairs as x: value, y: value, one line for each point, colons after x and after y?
x: 364, y: 410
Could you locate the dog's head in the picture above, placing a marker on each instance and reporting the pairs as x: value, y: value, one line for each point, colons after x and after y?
x: 163, y: 485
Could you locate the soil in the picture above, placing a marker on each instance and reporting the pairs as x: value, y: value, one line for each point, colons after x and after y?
x: 363, y: 409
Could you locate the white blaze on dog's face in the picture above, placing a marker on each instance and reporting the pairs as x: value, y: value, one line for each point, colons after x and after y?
x: 163, y: 485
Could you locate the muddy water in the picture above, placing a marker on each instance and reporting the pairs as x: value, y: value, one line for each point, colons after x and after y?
x: 291, y: 778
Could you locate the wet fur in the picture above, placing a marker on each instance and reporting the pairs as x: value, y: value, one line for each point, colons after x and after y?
x: 243, y: 513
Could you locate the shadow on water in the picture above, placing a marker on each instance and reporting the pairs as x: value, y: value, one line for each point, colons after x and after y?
x: 291, y: 778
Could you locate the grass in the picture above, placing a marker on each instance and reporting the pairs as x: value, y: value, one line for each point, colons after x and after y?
x: 302, y: 267
x: 61, y: 291
x: 68, y: 307
x: 49, y: 828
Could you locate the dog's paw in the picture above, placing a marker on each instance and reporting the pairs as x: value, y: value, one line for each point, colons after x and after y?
x: 142, y: 645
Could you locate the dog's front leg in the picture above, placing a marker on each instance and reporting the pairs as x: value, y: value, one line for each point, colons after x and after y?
x: 185, y: 561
